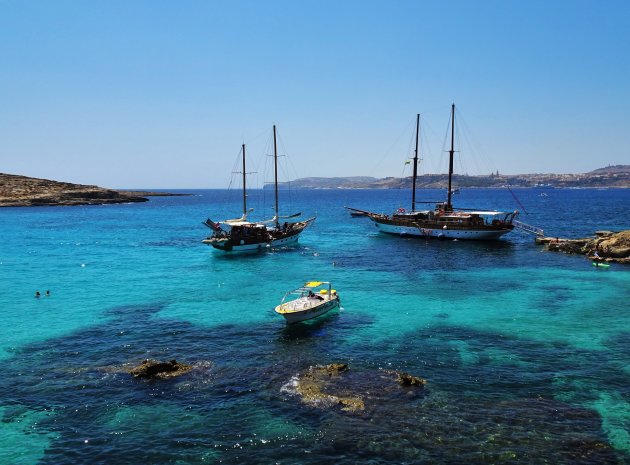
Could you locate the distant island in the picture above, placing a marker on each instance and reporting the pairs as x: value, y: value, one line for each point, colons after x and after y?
x: 22, y: 191
x: 612, y: 176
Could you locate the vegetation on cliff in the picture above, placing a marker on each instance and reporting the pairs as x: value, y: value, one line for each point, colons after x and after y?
x: 22, y: 191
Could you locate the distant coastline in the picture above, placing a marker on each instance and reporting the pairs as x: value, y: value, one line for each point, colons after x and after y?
x: 617, y: 176
x: 23, y: 191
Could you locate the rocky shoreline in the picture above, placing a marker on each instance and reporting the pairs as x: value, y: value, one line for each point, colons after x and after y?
x: 606, y: 246
x: 23, y: 191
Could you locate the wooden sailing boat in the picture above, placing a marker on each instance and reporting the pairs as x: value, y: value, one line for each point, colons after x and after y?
x: 241, y: 235
x: 443, y: 221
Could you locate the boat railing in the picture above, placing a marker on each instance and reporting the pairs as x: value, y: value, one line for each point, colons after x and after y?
x: 528, y: 228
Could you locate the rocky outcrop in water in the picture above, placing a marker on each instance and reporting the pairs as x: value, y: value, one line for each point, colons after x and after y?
x: 609, y: 246
x: 405, y: 379
x: 154, y: 369
x: 22, y: 191
x: 333, y: 385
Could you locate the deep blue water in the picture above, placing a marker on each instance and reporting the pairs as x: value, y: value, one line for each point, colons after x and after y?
x: 526, y: 353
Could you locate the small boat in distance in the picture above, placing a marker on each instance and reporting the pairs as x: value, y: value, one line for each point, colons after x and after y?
x: 242, y: 235
x: 444, y: 221
x: 601, y: 265
x: 309, y: 301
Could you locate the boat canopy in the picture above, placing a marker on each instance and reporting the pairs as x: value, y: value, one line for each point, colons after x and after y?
x: 240, y: 222
x: 458, y: 216
x: 314, y: 283
x: 486, y: 213
x: 412, y: 213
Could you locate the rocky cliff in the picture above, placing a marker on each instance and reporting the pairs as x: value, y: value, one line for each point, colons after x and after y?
x: 22, y: 191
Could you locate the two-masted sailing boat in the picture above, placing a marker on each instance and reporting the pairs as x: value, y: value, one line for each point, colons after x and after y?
x: 240, y: 234
x: 444, y: 221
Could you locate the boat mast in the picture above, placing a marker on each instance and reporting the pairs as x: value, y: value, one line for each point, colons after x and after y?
x: 275, y: 170
x: 449, y: 206
x: 415, y: 166
x: 244, y: 186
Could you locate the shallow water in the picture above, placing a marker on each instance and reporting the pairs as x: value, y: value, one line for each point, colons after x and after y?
x: 526, y: 353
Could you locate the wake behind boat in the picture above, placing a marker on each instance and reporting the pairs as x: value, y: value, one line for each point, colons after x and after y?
x: 444, y: 221
x: 242, y: 235
x: 309, y: 301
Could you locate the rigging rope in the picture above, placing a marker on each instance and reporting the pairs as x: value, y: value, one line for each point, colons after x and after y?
x: 517, y: 200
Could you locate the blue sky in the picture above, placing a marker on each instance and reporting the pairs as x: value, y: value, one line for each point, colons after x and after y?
x: 162, y: 94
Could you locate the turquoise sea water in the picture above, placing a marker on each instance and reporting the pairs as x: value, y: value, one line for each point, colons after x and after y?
x: 526, y: 353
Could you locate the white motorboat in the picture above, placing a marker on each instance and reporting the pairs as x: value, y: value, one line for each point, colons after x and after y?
x: 309, y: 301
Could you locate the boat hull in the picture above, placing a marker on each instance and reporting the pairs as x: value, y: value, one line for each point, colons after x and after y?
x: 308, y: 313
x: 254, y: 244
x: 399, y: 229
x: 230, y: 246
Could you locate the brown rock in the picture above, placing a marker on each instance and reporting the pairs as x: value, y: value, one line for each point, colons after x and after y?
x: 610, y: 246
x: 312, y: 384
x: 154, y: 369
x: 405, y: 379
x: 330, y: 386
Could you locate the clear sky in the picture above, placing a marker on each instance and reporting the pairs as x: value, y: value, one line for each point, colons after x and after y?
x: 160, y: 94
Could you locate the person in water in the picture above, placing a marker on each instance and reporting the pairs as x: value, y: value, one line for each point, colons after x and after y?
x: 37, y: 294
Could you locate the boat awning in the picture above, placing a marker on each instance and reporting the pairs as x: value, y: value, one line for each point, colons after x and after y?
x: 486, y: 213
x: 242, y: 223
x: 313, y: 284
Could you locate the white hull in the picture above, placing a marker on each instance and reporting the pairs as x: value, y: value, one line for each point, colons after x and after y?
x: 304, y: 311
x: 467, y: 234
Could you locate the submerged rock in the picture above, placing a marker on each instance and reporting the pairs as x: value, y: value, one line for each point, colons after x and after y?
x: 405, y: 379
x: 154, y: 369
x: 330, y: 386
x: 310, y: 387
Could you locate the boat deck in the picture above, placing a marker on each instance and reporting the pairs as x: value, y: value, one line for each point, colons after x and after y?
x: 304, y: 303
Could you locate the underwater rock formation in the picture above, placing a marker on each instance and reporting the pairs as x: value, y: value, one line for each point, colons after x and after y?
x: 310, y: 387
x: 154, y: 369
x: 332, y: 385
x: 405, y: 379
